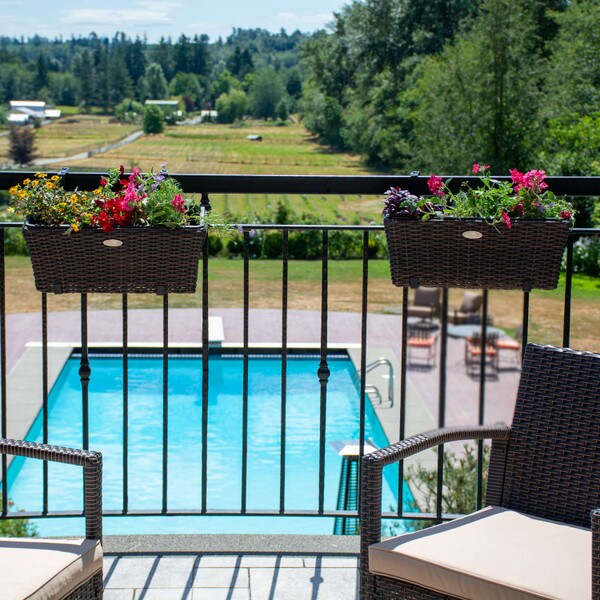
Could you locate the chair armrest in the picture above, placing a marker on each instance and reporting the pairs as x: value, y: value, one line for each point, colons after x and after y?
x: 596, y: 554
x: 372, y: 465
x: 430, y: 439
x: 91, y: 462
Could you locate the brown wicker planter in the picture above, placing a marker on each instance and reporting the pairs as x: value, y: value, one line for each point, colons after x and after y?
x: 132, y: 259
x: 437, y: 253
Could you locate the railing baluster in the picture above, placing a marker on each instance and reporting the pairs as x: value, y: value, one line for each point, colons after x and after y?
x: 245, y: 372
x: 165, y: 442
x: 568, y: 292
x: 403, y: 388
x: 4, y: 405
x: 442, y: 400
x: 125, y: 405
x: 481, y: 410
x: 45, y: 399
x: 323, y: 372
x: 85, y: 372
x: 363, y: 353
x: 284, y: 357
x: 205, y: 371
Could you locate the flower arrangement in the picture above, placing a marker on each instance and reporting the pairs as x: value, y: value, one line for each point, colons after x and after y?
x: 151, y: 199
x: 525, y: 197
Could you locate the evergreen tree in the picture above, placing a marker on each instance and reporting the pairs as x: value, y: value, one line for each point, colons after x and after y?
x: 120, y: 84
x: 182, y: 55
x: 265, y: 94
x: 154, y: 84
x: 41, y: 73
x: 85, y: 74
x: 135, y: 59
x: 21, y: 145
x: 200, y: 55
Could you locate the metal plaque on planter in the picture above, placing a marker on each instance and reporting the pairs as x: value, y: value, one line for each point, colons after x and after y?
x: 470, y: 253
x: 130, y: 259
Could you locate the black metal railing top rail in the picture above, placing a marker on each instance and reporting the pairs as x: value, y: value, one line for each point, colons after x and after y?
x: 306, y: 184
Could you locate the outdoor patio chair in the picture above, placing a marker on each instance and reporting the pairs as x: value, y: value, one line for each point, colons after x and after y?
x: 473, y: 351
x: 423, y: 342
x: 468, y: 310
x: 535, y: 539
x: 426, y: 303
x: 510, y: 345
x: 56, y: 569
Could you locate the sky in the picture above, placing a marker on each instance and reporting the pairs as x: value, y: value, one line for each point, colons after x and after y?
x: 156, y: 18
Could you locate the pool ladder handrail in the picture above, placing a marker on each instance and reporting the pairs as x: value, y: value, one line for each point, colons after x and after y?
x: 372, y: 389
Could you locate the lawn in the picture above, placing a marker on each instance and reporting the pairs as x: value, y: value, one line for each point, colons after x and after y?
x: 345, y: 280
x: 74, y: 134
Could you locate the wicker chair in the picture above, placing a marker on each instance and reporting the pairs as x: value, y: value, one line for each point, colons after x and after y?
x: 61, y: 569
x: 543, y: 483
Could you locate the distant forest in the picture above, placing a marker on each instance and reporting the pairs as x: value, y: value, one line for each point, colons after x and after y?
x: 408, y: 85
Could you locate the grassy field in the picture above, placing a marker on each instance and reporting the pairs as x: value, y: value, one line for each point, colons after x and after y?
x: 345, y: 280
x: 74, y: 134
x: 213, y: 148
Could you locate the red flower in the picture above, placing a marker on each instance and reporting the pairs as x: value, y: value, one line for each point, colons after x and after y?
x: 178, y: 203
x: 435, y: 185
x: 565, y: 214
x: 506, y: 219
x: 103, y: 182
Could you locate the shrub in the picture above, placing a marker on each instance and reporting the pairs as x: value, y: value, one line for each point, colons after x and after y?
x: 16, y: 527
x: 272, y: 246
x: 215, y: 245
x: 586, y: 256
x: 21, y: 145
x: 154, y: 120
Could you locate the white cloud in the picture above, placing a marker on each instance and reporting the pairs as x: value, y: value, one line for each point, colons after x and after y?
x: 147, y: 14
x: 310, y: 20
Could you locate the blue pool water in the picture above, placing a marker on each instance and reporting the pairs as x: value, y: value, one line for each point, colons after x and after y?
x: 185, y: 443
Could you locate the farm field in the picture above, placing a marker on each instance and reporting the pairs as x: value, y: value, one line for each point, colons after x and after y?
x: 214, y: 148
x: 74, y: 134
x: 345, y: 280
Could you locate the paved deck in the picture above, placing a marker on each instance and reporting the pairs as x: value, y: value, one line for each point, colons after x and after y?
x: 230, y: 577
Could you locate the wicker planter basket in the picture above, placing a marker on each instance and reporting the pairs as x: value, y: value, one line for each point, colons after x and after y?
x: 469, y: 253
x: 132, y: 259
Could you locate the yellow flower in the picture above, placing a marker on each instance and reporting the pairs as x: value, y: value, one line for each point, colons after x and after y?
x: 73, y: 198
x: 54, y: 178
x: 75, y: 227
x: 97, y: 191
x: 40, y: 175
x: 50, y: 185
x: 22, y: 194
x: 27, y: 181
x: 10, y: 209
x: 34, y: 183
x: 13, y: 190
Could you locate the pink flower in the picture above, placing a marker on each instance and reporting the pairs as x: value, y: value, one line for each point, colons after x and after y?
x: 103, y: 182
x: 476, y: 167
x: 506, y: 219
x: 486, y: 167
x: 435, y: 185
x: 178, y: 203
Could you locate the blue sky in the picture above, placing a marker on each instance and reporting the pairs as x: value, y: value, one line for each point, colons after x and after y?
x: 155, y: 18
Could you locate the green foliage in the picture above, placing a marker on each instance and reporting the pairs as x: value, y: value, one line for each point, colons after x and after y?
x: 129, y: 111
x: 16, y: 527
x: 474, y: 100
x: 586, y: 256
x: 21, y: 145
x: 159, y: 207
x: 459, y: 484
x: 265, y: 94
x: 154, y: 120
x: 573, y: 82
x: 281, y: 110
x: 231, y: 107
x: 154, y: 83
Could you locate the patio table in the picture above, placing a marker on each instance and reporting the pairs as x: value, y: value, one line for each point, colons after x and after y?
x: 467, y: 331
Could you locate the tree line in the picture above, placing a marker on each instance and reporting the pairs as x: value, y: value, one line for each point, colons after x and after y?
x: 120, y: 73
x: 437, y: 86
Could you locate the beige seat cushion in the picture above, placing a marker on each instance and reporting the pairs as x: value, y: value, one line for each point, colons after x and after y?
x: 38, y: 569
x: 493, y: 554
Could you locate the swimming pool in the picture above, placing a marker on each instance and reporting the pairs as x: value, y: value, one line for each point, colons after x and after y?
x: 224, y: 447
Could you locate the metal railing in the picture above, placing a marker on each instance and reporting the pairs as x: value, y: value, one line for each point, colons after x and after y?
x: 208, y: 184
x: 374, y: 389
